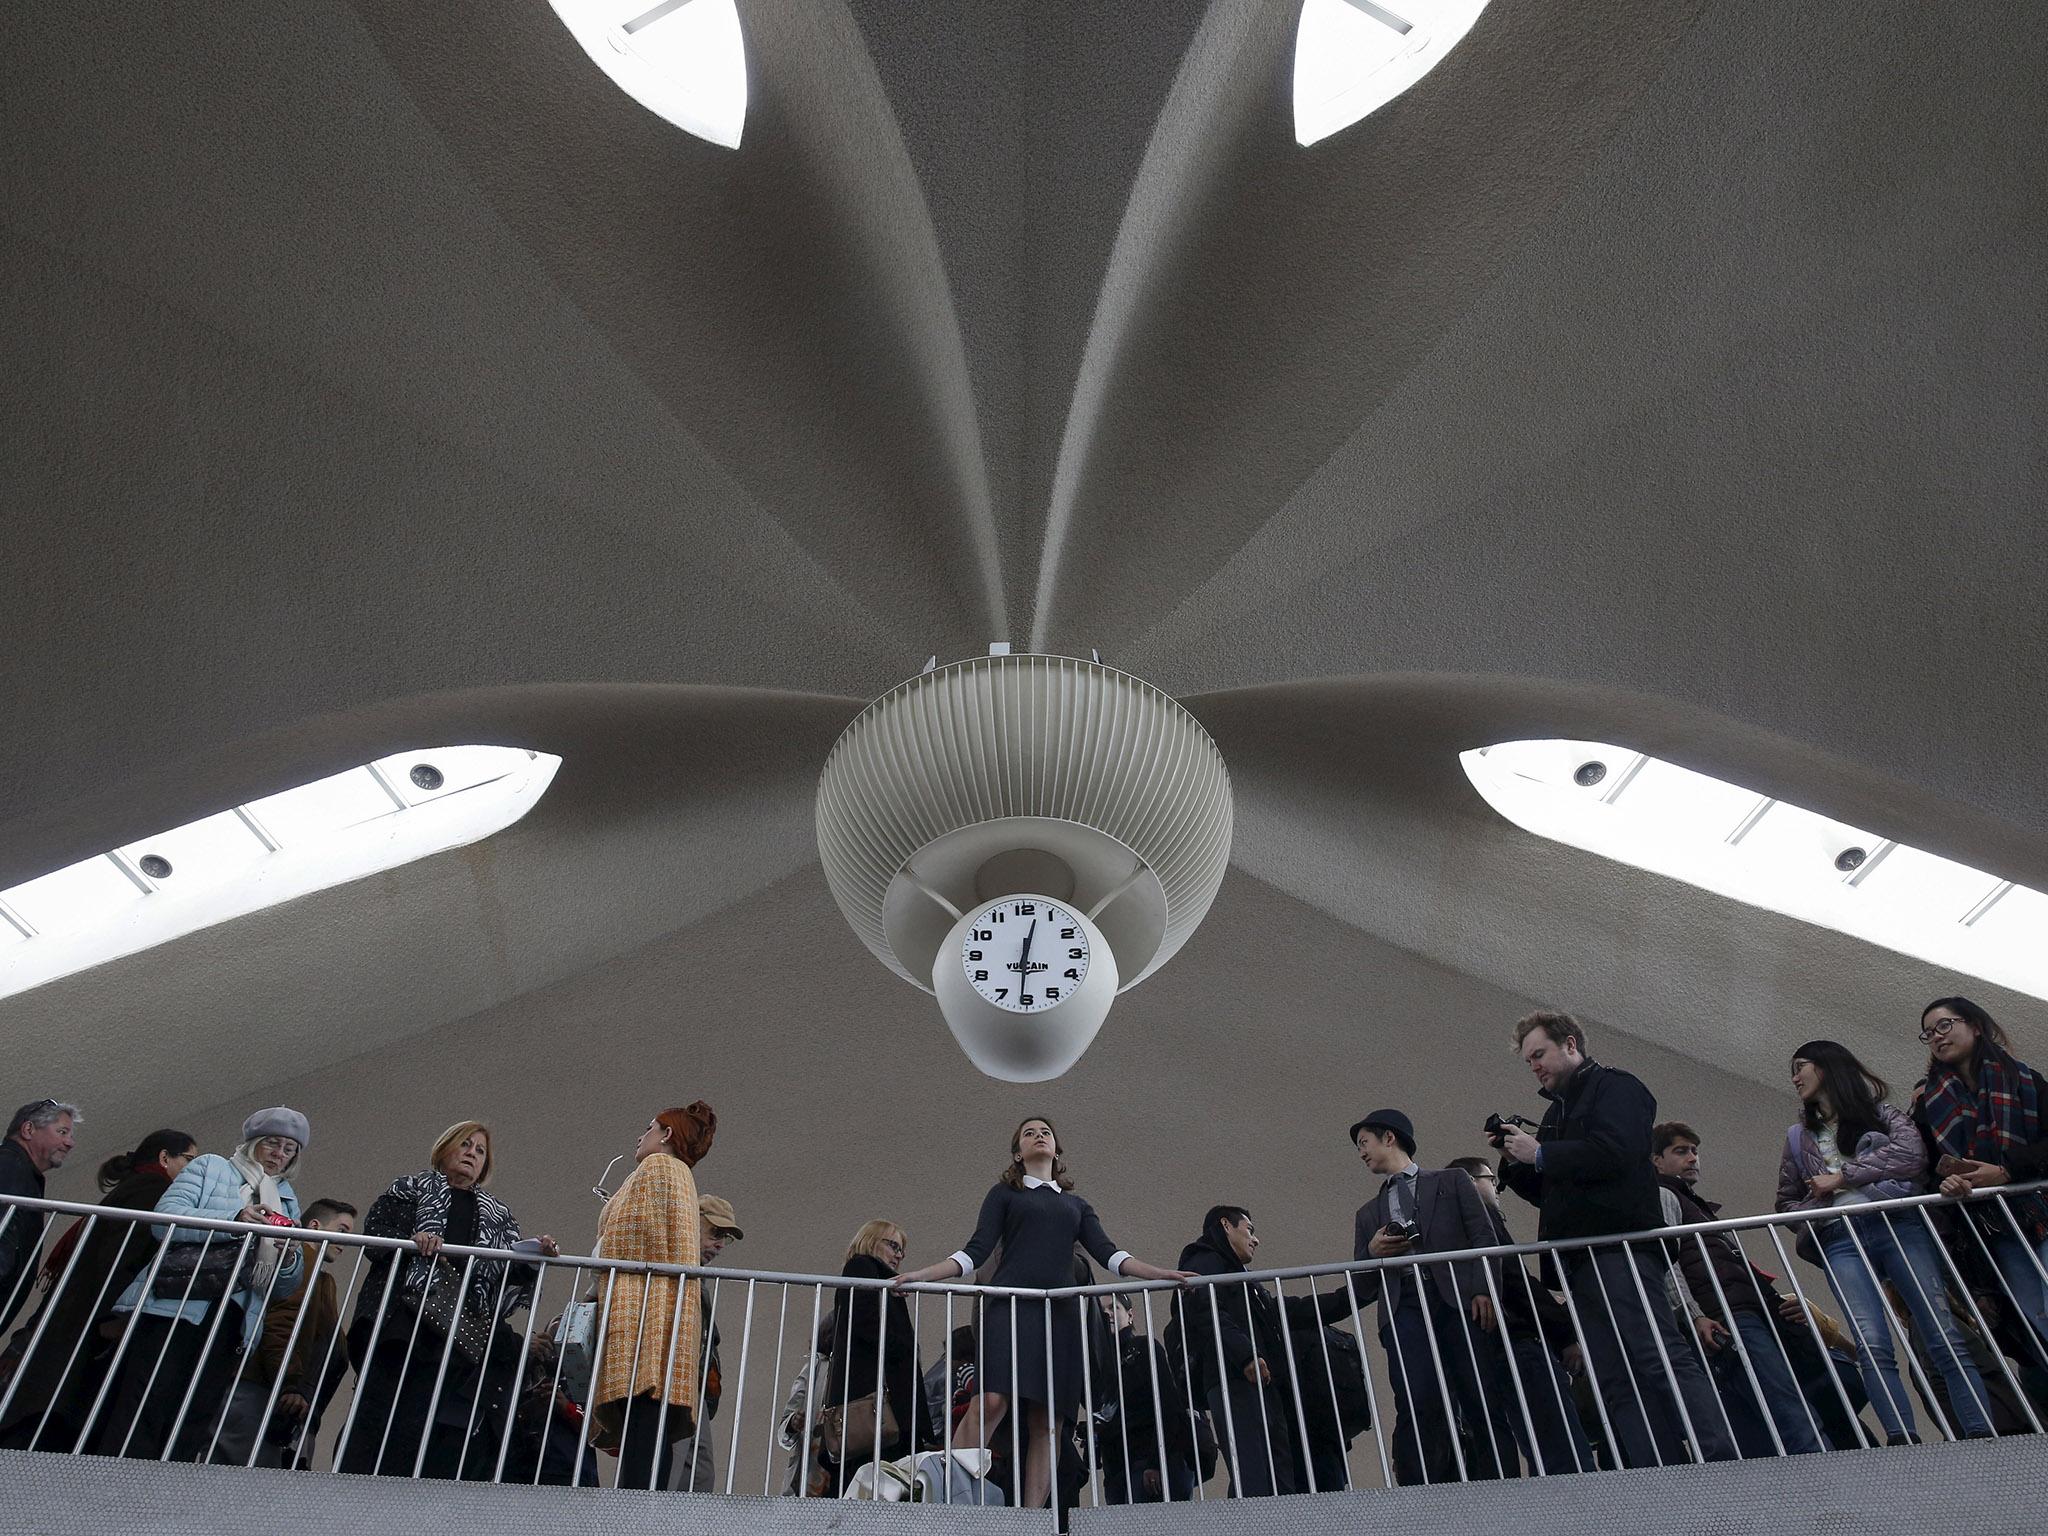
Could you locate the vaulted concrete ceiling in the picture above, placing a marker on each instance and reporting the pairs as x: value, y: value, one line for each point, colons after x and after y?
x: 376, y: 376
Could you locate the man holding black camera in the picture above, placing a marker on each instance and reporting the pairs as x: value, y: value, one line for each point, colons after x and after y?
x: 1436, y: 1320
x: 1587, y: 1171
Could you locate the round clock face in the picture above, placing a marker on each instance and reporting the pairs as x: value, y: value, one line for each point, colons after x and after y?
x: 1025, y: 954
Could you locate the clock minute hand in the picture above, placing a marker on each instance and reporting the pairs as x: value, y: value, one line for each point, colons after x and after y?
x: 1024, y: 960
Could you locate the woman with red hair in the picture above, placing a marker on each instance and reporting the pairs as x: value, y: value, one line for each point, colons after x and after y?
x: 645, y: 1396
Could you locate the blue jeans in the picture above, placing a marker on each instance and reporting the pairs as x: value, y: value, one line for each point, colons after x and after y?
x: 1902, y: 1252
x: 2015, y: 1258
x: 1787, y: 1404
x: 1622, y: 1316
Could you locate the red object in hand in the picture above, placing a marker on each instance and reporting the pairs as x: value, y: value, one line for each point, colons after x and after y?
x: 277, y: 1219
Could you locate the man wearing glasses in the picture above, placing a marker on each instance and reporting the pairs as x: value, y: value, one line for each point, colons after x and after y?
x: 39, y: 1138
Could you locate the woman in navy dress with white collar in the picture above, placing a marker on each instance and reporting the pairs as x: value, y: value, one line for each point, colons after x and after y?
x: 1033, y: 1217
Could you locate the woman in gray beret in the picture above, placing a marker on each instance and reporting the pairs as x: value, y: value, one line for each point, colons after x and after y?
x: 165, y: 1349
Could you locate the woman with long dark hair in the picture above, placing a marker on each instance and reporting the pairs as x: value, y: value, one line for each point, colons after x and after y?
x: 1850, y: 1147
x: 70, y: 1359
x: 1035, y: 1218
x: 1982, y: 1109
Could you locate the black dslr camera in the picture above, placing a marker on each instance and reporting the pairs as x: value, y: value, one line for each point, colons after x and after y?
x: 1497, y: 1127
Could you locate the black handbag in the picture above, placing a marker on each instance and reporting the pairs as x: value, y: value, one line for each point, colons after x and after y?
x: 206, y: 1267
x: 444, y: 1313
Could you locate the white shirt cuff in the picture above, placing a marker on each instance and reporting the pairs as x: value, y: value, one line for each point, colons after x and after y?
x: 966, y: 1264
x: 1116, y: 1261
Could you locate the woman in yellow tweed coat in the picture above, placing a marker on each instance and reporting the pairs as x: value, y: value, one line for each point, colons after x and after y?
x: 653, y: 1218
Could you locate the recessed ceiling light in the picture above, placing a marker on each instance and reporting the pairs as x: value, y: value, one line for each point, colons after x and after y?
x: 248, y: 857
x: 683, y: 60
x: 1352, y: 57
x: 1769, y: 853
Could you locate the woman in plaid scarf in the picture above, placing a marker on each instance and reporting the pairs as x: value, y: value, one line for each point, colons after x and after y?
x: 1981, y: 1107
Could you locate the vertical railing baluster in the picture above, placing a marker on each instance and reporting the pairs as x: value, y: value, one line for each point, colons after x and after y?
x: 668, y: 1376
x: 218, y: 1312
x: 1827, y: 1359
x: 397, y: 1260
x: 739, y: 1396
x: 277, y: 1384
x: 775, y: 1382
x: 419, y: 1460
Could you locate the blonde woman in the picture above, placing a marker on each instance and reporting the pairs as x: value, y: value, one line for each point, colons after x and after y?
x: 858, y: 1344
x: 636, y: 1410
x: 396, y: 1408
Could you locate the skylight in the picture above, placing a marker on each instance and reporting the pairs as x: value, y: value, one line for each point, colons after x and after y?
x: 240, y: 860
x: 683, y: 60
x: 1657, y: 816
x: 1352, y: 57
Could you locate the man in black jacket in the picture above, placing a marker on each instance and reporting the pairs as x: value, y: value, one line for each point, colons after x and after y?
x: 1236, y: 1347
x: 1587, y: 1171
x: 38, y: 1140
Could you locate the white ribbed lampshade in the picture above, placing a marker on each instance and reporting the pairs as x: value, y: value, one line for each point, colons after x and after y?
x: 1027, y: 766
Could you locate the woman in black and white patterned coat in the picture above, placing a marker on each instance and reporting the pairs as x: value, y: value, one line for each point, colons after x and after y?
x: 445, y: 1203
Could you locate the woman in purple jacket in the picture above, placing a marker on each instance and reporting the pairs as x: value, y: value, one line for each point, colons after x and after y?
x: 1848, y: 1148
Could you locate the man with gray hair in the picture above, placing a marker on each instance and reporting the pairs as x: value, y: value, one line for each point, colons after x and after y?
x: 39, y: 1138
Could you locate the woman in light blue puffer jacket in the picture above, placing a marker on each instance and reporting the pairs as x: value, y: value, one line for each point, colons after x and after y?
x: 167, y: 1349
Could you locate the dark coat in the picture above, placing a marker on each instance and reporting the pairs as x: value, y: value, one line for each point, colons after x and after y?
x: 23, y: 1238
x: 1748, y: 1288
x: 1245, y: 1317
x: 2028, y: 1163
x: 1532, y: 1310
x: 1596, y: 1177
x: 101, y: 1268
x: 858, y: 1348
x: 1451, y: 1216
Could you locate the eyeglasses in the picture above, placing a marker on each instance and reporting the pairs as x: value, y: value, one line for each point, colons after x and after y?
x: 893, y: 1246
x: 598, y: 1188
x: 1937, y: 1030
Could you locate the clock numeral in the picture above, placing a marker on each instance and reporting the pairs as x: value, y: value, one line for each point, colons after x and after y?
x: 1073, y: 975
x: 1026, y: 909
x: 1001, y: 993
x: 1052, y: 994
x: 981, y: 975
x: 1025, y: 999
x: 1077, y: 954
x: 983, y: 935
x: 997, y: 916
x: 1066, y: 933
x: 974, y: 954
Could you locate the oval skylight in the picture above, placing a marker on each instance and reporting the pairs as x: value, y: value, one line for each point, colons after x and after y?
x: 240, y: 860
x: 1352, y: 57
x: 1767, y: 853
x: 683, y: 60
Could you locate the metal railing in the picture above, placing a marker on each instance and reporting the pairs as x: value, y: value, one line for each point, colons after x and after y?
x: 245, y: 1343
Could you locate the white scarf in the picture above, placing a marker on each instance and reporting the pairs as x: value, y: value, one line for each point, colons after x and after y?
x: 259, y: 1188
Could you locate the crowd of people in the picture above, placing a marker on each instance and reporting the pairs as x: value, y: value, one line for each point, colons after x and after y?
x: 202, y: 1344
